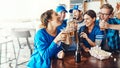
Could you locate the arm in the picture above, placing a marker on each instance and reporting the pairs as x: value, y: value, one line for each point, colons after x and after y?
x: 105, y: 25
x: 85, y: 48
x: 43, y: 45
x: 117, y: 15
x: 115, y: 27
x: 84, y: 35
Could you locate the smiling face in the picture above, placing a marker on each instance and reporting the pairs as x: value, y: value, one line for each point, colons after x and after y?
x: 76, y: 14
x: 50, y: 18
x: 88, y: 20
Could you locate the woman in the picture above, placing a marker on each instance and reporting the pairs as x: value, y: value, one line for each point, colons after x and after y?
x: 47, y: 41
x: 89, y: 32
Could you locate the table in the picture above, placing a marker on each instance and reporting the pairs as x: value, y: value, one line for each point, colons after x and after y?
x: 87, y: 61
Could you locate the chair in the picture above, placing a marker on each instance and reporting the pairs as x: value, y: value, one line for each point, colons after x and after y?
x: 5, y: 40
x: 22, y: 34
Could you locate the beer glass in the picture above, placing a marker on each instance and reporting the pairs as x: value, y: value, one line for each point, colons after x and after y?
x: 68, y: 39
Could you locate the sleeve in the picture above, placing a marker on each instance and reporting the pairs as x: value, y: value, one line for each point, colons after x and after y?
x: 117, y: 20
x: 45, y: 49
x: 97, y: 22
x: 99, y: 34
x: 98, y: 31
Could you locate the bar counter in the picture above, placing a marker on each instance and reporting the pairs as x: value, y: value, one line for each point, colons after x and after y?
x: 87, y: 61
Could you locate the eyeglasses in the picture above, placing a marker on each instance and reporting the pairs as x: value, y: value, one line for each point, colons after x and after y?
x: 105, y: 14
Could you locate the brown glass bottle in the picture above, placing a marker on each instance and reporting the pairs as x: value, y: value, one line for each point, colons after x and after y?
x: 77, y: 54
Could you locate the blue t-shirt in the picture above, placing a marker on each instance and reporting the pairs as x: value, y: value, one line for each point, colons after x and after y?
x: 112, y: 36
x: 95, y: 31
x: 63, y: 25
x: 44, y: 50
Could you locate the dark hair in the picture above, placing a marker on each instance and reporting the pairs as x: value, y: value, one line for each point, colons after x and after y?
x: 91, y: 13
x: 108, y: 6
x: 46, y: 16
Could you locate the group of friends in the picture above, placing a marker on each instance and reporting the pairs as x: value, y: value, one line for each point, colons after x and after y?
x: 48, y: 40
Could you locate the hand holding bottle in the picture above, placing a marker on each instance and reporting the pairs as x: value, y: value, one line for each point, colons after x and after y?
x: 83, y: 35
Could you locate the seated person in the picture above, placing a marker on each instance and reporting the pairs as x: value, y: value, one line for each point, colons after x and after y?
x: 110, y: 26
x: 77, y: 15
x: 87, y: 34
x: 47, y: 41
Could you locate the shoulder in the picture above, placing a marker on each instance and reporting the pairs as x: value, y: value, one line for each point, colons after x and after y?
x: 97, y: 30
x: 65, y: 20
x: 97, y: 22
x: 114, y: 21
x: 41, y: 33
x: 96, y: 27
x: 82, y: 28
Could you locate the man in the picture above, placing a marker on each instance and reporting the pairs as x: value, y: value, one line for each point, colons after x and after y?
x: 77, y: 15
x: 112, y: 26
x: 62, y: 13
x: 112, y: 40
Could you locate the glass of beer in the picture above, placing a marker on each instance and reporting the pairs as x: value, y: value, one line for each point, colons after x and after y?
x: 67, y: 34
x: 71, y: 27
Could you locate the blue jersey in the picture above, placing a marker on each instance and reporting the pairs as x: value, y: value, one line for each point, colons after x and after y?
x: 92, y: 35
x: 63, y: 25
x: 112, y: 36
x: 44, y: 50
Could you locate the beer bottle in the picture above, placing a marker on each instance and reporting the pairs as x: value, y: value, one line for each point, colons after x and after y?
x: 77, y: 54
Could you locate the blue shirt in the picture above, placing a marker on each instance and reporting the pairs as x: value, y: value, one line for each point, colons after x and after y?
x: 112, y: 36
x: 95, y: 31
x: 63, y: 25
x: 44, y: 50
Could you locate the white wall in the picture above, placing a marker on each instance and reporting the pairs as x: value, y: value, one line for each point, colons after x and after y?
x: 24, y: 9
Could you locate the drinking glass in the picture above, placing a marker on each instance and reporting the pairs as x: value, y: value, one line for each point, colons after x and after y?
x: 98, y: 39
x: 68, y: 39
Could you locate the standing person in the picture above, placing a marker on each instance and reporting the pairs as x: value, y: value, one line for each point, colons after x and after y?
x: 62, y: 13
x: 77, y: 15
x: 88, y: 33
x: 47, y: 41
x: 112, y: 36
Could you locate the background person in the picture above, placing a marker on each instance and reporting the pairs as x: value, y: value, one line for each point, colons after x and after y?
x: 77, y: 15
x: 62, y: 13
